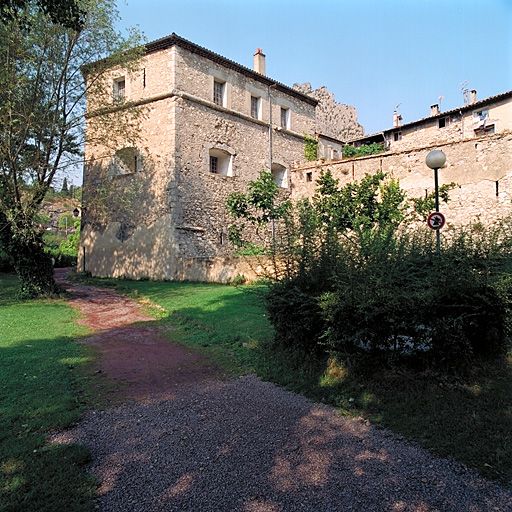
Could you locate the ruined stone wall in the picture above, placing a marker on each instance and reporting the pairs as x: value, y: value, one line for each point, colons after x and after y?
x: 332, y: 119
x: 481, y: 168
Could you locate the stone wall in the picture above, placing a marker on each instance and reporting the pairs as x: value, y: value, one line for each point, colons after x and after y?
x: 481, y: 167
x: 332, y: 119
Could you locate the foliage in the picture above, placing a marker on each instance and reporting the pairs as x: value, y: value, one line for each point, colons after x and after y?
x: 424, y: 206
x: 67, y: 13
x: 403, y: 305
x: 368, y: 149
x: 64, y: 251
x: 42, y: 106
x: 310, y: 148
x: 258, y: 207
x: 364, y: 284
x: 42, y: 388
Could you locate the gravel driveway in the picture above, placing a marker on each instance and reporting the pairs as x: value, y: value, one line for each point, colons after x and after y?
x: 249, y: 446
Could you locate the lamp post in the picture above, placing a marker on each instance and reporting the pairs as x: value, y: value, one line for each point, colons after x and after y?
x: 435, y: 160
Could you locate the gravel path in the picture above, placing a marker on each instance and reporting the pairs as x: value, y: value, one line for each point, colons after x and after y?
x: 248, y: 446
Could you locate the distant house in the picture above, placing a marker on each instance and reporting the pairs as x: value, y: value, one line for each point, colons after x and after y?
x: 490, y: 116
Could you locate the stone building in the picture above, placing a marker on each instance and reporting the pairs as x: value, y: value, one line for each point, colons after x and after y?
x: 489, y: 116
x: 154, y: 204
x: 156, y: 207
x: 477, y: 141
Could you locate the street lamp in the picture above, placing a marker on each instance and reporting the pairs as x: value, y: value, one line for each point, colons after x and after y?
x: 435, y: 160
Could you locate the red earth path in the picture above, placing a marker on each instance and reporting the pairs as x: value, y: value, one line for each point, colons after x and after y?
x: 134, y: 352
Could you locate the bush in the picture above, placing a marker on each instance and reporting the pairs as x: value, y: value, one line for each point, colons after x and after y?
x: 295, y: 315
x: 392, y: 300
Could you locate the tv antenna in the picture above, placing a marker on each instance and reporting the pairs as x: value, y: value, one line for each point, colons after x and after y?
x: 464, y: 89
x: 396, y: 108
x: 441, y: 98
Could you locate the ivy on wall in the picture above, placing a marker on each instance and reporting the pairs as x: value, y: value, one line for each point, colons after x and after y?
x: 370, y: 149
x: 310, y: 148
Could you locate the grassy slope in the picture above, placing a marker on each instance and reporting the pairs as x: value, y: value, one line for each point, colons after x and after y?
x: 41, y: 389
x: 469, y: 420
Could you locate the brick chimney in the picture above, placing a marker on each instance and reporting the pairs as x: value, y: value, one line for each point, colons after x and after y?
x: 434, y: 110
x: 472, y: 97
x: 259, y: 61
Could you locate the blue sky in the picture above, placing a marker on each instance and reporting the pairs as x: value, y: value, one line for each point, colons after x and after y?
x: 373, y: 55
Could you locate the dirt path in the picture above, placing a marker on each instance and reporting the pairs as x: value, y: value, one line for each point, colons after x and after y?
x: 133, y: 352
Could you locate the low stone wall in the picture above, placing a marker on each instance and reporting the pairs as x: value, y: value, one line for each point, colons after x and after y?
x: 481, y: 167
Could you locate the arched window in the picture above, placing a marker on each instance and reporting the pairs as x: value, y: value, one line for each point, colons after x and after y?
x: 125, y: 161
x: 221, y: 162
x: 280, y: 175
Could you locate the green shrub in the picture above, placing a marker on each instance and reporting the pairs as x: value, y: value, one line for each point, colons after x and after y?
x: 295, y: 316
x: 368, y: 149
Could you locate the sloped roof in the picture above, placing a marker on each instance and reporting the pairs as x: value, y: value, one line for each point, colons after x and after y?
x: 175, y: 40
x: 465, y: 108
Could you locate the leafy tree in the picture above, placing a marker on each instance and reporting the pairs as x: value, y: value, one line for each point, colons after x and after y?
x: 42, y: 107
x: 258, y: 207
x: 67, y: 13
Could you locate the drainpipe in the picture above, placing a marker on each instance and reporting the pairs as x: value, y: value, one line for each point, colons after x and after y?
x: 461, y: 124
x: 270, y: 128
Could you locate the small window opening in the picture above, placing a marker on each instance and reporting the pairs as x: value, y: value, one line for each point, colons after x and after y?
x: 280, y: 175
x: 497, y: 189
x: 255, y: 107
x: 397, y: 136
x: 285, y: 117
x: 309, y: 176
x: 119, y: 89
x: 221, y: 162
x: 218, y: 92
x: 443, y: 122
x: 214, y: 164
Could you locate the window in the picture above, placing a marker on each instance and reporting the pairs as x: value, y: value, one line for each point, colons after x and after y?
x: 221, y: 162
x: 485, y: 130
x: 309, y: 176
x: 280, y: 175
x: 285, y: 117
x: 255, y: 107
x: 443, y: 122
x: 480, y: 115
x: 397, y: 136
x: 214, y: 164
x: 119, y: 89
x: 219, y: 92
x: 125, y: 161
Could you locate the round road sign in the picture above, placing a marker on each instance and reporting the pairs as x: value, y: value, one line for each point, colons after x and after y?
x: 436, y: 220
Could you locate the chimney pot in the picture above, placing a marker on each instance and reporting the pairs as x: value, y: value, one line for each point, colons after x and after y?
x: 434, y: 110
x: 259, y: 61
x: 472, y: 97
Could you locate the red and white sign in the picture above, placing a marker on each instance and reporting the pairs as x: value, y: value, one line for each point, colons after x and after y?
x: 436, y: 220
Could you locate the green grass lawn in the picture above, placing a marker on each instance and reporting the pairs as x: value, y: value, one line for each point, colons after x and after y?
x: 469, y: 419
x: 41, y: 388
x: 228, y: 323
